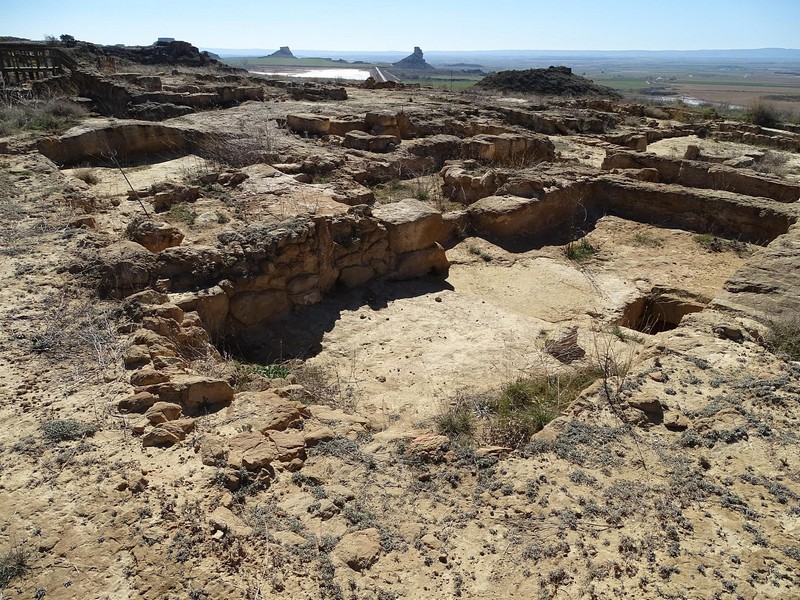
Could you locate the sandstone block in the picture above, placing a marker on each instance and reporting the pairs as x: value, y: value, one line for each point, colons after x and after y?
x: 165, y: 434
x: 308, y: 123
x: 147, y: 377
x: 430, y: 261
x: 154, y: 235
x: 212, y: 451
x: 374, y: 119
x: 161, y: 412
x: 411, y: 224
x: 315, y: 436
x: 290, y: 444
x: 335, y: 416
x: 359, y: 550
x: 194, y: 391
x: 136, y: 356
x: 563, y: 345
x: 211, y: 304
x: 429, y: 444
x: 359, y: 140
x: 342, y: 126
x: 405, y: 126
x: 270, y: 411
x: 355, y: 275
x: 675, y: 421
x: 252, y: 451
x: 648, y: 404
x: 137, y: 403
x: 223, y: 519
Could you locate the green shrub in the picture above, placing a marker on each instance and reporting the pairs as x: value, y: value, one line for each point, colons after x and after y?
x: 519, y: 410
x: 13, y: 564
x: 40, y: 115
x: 273, y: 371
x: 580, y: 250
x: 183, y: 212
x: 763, y: 113
x: 61, y: 430
x: 783, y: 338
x: 647, y: 239
x: 458, y: 421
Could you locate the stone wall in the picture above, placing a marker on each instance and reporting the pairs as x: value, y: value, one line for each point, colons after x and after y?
x: 701, y: 175
x: 262, y: 273
x: 552, y: 211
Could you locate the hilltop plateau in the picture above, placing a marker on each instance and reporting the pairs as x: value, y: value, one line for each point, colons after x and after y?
x: 272, y: 339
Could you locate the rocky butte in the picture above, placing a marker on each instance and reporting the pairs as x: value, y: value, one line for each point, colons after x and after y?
x: 271, y: 339
x: 414, y: 61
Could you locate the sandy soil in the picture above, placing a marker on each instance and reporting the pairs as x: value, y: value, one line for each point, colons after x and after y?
x: 487, y: 325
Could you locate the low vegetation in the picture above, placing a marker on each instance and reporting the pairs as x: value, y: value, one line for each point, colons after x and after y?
x: 712, y: 243
x: 13, y: 563
x: 519, y: 410
x: 580, y: 250
x: 553, y: 81
x: 40, y: 115
x: 88, y: 176
x: 647, y: 239
x: 783, y: 338
x: 62, y: 430
x: 764, y: 113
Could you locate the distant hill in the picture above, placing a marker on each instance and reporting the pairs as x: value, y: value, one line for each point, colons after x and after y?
x: 495, y: 57
x: 282, y: 52
x: 553, y: 81
x: 414, y: 61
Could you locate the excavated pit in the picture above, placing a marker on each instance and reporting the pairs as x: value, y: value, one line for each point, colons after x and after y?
x: 343, y: 289
x: 404, y: 348
x: 661, y: 310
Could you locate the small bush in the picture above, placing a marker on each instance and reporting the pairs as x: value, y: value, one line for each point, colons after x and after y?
x: 260, y: 143
x: 647, y: 239
x: 13, y: 564
x: 273, y: 371
x: 772, y: 163
x: 40, y: 115
x: 580, y: 250
x: 87, y: 176
x: 182, y: 212
x: 61, y: 430
x: 763, y: 113
x: 458, y: 421
x: 712, y: 243
x: 783, y: 338
x: 521, y: 409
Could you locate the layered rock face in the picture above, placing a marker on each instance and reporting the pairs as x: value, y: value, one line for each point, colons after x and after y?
x: 697, y: 174
x: 260, y: 274
x: 118, y: 139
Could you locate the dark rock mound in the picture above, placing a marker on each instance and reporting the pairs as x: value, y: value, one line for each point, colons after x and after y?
x: 415, y: 61
x: 553, y: 81
x: 160, y: 53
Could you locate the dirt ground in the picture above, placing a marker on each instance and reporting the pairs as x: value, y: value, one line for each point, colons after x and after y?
x: 673, y: 474
x: 486, y: 324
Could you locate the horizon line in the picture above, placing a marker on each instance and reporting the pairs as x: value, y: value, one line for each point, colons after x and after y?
x: 519, y: 50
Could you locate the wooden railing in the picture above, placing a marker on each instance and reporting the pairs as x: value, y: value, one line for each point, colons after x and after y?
x: 20, y: 62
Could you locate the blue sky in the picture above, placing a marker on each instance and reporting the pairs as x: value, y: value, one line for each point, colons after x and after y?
x: 431, y: 24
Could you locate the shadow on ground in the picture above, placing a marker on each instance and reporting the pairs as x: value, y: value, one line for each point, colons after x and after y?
x: 300, y: 334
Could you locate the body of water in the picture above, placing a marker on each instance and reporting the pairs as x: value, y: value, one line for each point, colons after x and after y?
x: 349, y: 74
